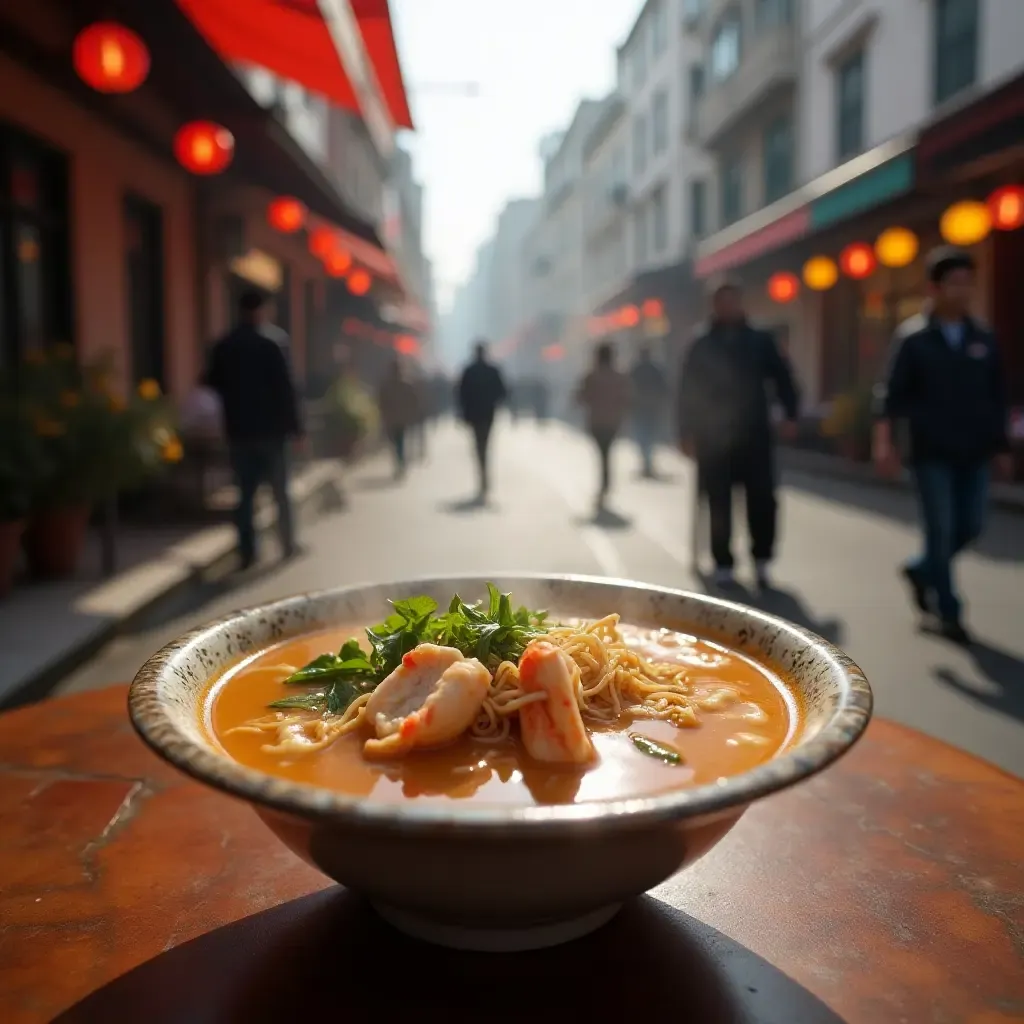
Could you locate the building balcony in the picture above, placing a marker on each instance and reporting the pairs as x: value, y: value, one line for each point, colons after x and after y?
x: 769, y: 64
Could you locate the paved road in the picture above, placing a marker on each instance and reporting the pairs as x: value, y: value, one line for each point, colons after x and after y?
x: 835, y: 572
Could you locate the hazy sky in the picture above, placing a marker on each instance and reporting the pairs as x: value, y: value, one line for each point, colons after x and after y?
x: 533, y: 60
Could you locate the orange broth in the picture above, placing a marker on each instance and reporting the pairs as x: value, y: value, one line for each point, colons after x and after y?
x: 500, y: 771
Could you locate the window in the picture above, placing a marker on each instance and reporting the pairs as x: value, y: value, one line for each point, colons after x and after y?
x: 732, y: 190
x: 659, y: 220
x: 639, y: 144
x: 772, y: 14
x: 956, y: 46
x: 725, y: 47
x: 850, y: 106
x: 693, y: 9
x: 659, y: 122
x: 778, y: 158
x: 640, y: 234
x: 698, y: 208
x: 696, y: 82
x: 638, y: 57
x: 659, y: 28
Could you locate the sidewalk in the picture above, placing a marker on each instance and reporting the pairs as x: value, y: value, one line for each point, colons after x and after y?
x: 47, y: 629
x: 1009, y: 497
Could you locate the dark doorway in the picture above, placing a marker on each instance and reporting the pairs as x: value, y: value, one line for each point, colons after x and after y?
x: 35, y: 278
x: 144, y: 259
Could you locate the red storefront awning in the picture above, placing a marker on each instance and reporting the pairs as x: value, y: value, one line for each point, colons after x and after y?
x: 291, y: 39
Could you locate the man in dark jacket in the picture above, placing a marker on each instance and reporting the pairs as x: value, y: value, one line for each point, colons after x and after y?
x: 481, y: 391
x: 724, y: 424
x: 249, y: 370
x: 945, y: 382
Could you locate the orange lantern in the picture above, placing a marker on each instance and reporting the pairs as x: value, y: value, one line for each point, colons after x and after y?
x: 337, y: 262
x: 858, y: 261
x: 629, y: 316
x: 407, y: 345
x: 652, y: 309
x: 286, y: 214
x: 1006, y: 208
x: 322, y: 241
x: 359, y: 282
x: 110, y: 58
x: 966, y: 223
x: 783, y: 287
x: 820, y: 273
x: 203, y: 147
x: 896, y: 247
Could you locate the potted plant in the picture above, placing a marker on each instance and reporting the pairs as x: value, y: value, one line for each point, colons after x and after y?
x: 849, y: 423
x: 351, y: 416
x: 20, y: 469
x: 94, y: 444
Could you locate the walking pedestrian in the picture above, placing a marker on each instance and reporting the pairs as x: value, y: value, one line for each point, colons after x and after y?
x: 399, y: 404
x: 946, y: 383
x: 481, y: 391
x: 604, y: 394
x: 649, y: 396
x: 724, y: 423
x: 248, y: 369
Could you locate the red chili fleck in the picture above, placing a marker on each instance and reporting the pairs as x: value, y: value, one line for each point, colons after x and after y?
x: 408, y: 727
x: 408, y: 660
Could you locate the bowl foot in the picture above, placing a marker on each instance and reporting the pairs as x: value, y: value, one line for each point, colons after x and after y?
x: 496, y: 940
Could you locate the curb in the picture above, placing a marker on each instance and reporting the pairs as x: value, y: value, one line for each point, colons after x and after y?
x: 121, y: 601
x: 1006, y: 497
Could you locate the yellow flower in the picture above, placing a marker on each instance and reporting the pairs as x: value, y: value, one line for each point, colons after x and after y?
x: 172, y: 451
x: 69, y: 399
x: 46, y: 427
x: 64, y: 351
x: 149, y: 389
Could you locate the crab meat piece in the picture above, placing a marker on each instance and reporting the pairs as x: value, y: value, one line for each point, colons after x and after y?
x: 552, y: 729
x: 431, y: 698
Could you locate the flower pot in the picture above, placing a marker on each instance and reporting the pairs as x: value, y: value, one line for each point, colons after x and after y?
x: 54, y: 541
x: 10, y: 544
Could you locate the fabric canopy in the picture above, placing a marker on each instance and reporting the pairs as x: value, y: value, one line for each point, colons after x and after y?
x: 291, y: 39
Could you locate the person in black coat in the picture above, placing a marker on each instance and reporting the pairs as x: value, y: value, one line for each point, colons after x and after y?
x: 724, y: 423
x: 481, y: 390
x: 248, y: 368
x: 945, y: 385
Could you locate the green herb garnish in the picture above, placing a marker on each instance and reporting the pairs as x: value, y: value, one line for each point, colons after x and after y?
x: 654, y: 749
x: 493, y: 633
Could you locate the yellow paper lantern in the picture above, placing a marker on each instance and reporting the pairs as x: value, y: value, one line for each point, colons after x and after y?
x: 896, y: 247
x: 820, y: 273
x: 966, y: 223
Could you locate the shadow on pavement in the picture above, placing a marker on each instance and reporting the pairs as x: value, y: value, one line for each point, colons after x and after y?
x: 376, y: 483
x: 607, y: 519
x: 1002, y: 541
x: 776, y: 601
x: 467, y: 506
x: 328, y: 956
x: 1005, y: 673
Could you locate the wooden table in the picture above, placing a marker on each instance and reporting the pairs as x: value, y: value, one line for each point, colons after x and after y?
x: 890, y: 889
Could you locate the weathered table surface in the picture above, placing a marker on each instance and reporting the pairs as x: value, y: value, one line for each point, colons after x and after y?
x: 889, y: 889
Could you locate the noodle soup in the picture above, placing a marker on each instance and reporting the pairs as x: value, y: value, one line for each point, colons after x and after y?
x: 498, y: 707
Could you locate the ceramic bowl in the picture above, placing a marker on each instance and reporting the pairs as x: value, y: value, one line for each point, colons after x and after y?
x: 493, y: 877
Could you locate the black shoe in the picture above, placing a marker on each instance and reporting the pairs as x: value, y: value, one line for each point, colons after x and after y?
x: 953, y: 629
x: 918, y: 590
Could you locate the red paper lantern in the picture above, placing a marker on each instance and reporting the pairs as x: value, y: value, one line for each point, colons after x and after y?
x: 858, y: 261
x: 286, y: 214
x: 203, y: 147
x: 783, y: 287
x: 337, y: 262
x: 110, y: 58
x: 652, y: 308
x: 359, y: 282
x: 1006, y: 205
x: 322, y: 241
x: 629, y: 316
x: 407, y: 345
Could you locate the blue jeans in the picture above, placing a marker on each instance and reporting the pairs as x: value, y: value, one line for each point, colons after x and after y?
x: 255, y: 463
x: 953, y: 500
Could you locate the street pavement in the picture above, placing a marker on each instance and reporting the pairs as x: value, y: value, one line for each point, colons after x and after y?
x: 836, y: 572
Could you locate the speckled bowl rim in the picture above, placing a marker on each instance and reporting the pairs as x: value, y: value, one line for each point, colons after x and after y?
x: 147, y: 705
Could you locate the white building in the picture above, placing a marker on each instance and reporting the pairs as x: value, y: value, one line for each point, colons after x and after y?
x: 508, y: 285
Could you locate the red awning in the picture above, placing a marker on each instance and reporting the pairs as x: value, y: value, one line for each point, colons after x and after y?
x: 373, y: 258
x: 291, y: 39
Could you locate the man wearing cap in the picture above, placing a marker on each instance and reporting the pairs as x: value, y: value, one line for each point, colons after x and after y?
x: 945, y: 385
x: 723, y: 418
